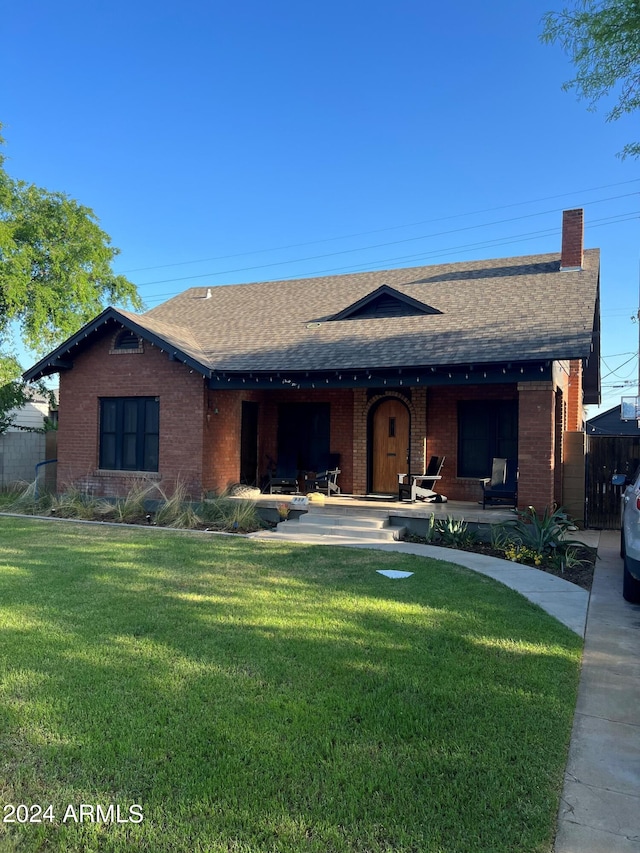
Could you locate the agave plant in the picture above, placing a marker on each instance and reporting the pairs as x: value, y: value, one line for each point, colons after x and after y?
x: 545, y: 534
x: 453, y: 532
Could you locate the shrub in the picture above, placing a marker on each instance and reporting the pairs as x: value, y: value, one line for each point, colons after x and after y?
x: 544, y: 535
x: 232, y: 514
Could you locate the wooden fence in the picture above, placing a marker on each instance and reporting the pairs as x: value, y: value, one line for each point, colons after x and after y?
x: 607, y: 455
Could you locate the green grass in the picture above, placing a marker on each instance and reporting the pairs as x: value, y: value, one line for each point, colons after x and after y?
x: 273, y: 697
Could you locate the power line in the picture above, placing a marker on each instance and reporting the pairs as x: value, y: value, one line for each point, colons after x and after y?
x: 372, y: 246
x: 381, y: 230
x: 433, y: 254
x: 613, y: 372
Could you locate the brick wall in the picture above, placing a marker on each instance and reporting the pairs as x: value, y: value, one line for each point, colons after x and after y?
x: 150, y: 373
x: 574, y: 397
x: 223, y: 431
x: 536, y: 444
x: 200, y: 430
x: 442, y: 431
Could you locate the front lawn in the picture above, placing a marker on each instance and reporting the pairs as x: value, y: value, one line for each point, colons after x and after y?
x: 254, y: 697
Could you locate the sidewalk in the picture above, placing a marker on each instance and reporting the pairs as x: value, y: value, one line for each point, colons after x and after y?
x: 600, y: 806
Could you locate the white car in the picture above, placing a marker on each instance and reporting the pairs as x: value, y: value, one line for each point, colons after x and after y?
x: 630, y: 534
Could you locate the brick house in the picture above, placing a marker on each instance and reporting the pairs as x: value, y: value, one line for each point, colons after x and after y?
x: 379, y: 369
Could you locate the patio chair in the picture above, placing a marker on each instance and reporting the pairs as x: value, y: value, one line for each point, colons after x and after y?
x: 284, y: 480
x: 501, y: 488
x: 325, y: 482
x: 420, y: 486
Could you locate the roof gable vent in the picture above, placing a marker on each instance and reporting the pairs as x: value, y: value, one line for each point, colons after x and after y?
x: 382, y: 303
x: 126, y: 341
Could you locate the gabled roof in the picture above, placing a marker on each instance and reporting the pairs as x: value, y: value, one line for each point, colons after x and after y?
x: 514, y: 310
x: 611, y: 423
x: 178, y: 342
x: 384, y: 302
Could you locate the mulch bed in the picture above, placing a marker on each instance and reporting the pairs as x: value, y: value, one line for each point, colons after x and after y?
x: 581, y: 575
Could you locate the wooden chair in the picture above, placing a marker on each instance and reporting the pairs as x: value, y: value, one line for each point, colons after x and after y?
x: 501, y: 488
x: 420, y: 486
x: 325, y: 482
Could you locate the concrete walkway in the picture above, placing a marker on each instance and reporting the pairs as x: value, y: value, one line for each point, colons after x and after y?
x: 600, y: 807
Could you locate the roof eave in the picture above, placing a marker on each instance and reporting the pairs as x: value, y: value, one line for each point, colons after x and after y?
x: 389, y: 377
x: 59, y: 360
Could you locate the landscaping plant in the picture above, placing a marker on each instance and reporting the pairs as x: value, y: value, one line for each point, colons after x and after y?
x: 144, y: 503
x: 544, y: 534
x: 452, y: 533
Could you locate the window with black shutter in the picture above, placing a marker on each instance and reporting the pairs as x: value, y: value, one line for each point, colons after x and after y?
x: 129, y: 429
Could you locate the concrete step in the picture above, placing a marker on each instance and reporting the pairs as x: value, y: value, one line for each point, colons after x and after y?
x: 342, y: 529
x: 344, y: 520
x: 336, y: 511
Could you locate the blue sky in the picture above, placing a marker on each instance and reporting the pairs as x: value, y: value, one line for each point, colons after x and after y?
x: 221, y: 143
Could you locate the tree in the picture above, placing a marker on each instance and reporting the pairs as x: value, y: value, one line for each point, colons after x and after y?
x: 603, y: 40
x: 55, y: 264
x: 55, y: 272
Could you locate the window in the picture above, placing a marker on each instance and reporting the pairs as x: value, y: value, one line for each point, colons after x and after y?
x: 303, y: 436
x: 486, y: 429
x: 129, y: 433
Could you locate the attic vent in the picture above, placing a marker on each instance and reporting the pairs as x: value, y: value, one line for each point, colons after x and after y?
x: 126, y: 341
x: 385, y: 302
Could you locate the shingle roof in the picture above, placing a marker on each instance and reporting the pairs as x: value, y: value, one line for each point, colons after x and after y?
x: 508, y: 310
x: 511, y: 309
x: 611, y: 423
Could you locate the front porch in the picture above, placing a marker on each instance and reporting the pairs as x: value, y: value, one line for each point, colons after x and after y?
x: 373, y: 434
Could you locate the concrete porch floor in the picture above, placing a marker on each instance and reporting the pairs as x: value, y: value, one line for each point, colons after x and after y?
x: 376, y: 506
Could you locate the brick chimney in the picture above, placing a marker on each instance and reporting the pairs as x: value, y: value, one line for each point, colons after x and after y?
x: 572, y: 239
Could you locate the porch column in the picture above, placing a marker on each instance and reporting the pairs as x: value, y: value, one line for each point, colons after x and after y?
x: 418, y: 451
x: 536, y: 444
x: 359, y: 441
x: 575, y: 416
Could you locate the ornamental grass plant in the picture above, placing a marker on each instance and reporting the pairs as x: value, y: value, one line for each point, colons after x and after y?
x: 145, y: 502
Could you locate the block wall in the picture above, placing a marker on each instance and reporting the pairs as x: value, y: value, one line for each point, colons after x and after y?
x: 20, y: 452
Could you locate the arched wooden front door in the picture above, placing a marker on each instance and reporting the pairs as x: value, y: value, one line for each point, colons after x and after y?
x: 390, y: 445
